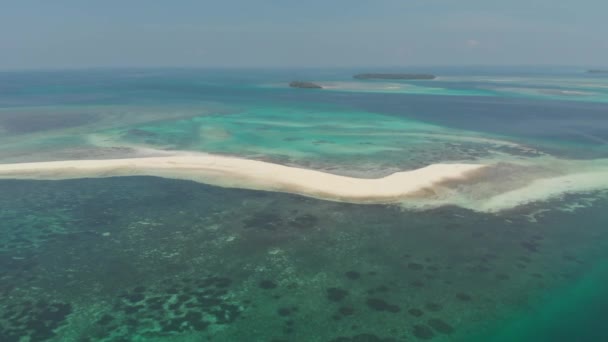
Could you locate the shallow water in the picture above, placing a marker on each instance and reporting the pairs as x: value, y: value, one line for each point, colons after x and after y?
x: 145, y: 258
x: 150, y: 259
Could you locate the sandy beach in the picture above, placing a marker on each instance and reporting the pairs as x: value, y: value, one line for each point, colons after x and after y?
x: 251, y: 174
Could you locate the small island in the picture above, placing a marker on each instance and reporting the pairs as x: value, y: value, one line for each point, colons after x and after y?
x: 304, y: 85
x: 597, y: 71
x: 395, y: 76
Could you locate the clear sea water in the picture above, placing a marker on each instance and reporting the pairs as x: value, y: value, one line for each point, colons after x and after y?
x: 151, y: 259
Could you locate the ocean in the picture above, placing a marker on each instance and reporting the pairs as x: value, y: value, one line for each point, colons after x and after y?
x: 518, y: 256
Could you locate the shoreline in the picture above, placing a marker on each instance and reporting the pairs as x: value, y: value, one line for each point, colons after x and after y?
x: 487, y: 186
x: 232, y: 172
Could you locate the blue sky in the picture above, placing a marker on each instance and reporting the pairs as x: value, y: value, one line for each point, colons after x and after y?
x: 313, y: 33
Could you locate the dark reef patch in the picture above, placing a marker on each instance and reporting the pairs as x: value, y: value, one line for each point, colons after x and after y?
x: 380, y: 305
x: 286, y: 311
x: 352, y: 275
x: 346, y: 311
x: 267, y: 284
x: 105, y: 319
x: 440, y: 326
x: 335, y: 294
x: 463, y: 297
x: 36, y: 321
x: 178, y: 306
x: 433, y: 306
x: 415, y: 312
x: 531, y: 246
x: 177, y: 276
x: 423, y: 332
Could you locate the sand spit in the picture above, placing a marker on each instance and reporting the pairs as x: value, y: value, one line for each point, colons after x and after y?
x: 251, y: 174
x: 489, y: 186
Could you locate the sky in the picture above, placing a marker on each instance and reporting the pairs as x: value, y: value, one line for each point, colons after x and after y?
x: 38, y: 34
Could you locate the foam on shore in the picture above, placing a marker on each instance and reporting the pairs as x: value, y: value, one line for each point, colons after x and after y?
x: 519, y: 182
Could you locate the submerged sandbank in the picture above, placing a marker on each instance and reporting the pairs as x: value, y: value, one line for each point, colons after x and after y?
x: 252, y: 174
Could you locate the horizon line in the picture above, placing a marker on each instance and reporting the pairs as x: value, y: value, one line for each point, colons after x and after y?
x: 253, y: 67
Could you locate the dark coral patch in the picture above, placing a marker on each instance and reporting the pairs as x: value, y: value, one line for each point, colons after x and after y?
x: 335, y: 294
x: 134, y: 297
x: 33, y: 321
x: 267, y: 284
x: 463, y: 297
x: 440, y: 326
x: 531, y: 246
x: 188, y: 302
x: 352, y: 275
x: 415, y: 312
x: 284, y: 312
x: 380, y: 305
x: 105, y: 319
x: 433, y: 306
x: 346, y: 311
x: 423, y: 332
x: 221, y: 282
x: 139, y: 289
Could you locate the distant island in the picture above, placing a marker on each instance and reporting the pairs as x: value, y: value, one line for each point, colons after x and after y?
x: 304, y: 85
x: 395, y: 76
x: 597, y: 71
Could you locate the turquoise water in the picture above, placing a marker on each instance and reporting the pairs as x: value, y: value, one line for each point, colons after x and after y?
x: 150, y: 259
x: 577, y: 315
x: 321, y: 136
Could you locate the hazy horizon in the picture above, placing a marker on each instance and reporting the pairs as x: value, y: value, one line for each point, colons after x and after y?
x: 315, y: 34
x: 362, y: 68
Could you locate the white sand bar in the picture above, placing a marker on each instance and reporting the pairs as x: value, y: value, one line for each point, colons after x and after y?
x: 252, y: 174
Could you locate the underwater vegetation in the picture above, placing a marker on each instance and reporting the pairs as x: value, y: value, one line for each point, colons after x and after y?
x: 142, y: 257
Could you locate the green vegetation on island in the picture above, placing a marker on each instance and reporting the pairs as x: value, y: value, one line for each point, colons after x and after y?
x: 304, y: 85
